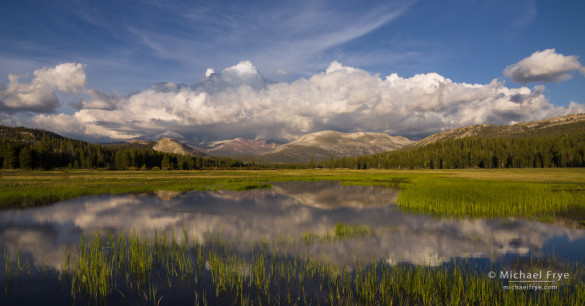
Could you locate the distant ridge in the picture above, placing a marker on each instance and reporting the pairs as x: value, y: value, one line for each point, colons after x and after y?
x: 327, y: 144
x: 240, y: 146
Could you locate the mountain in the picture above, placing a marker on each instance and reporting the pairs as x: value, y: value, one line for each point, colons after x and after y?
x: 522, y: 129
x: 169, y: 145
x: 326, y: 144
x: 554, y: 142
x: 240, y: 146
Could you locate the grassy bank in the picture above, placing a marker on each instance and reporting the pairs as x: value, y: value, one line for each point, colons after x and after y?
x: 475, y: 193
x: 110, y: 268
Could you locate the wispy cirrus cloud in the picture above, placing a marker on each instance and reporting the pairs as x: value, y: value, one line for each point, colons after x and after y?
x: 285, y: 37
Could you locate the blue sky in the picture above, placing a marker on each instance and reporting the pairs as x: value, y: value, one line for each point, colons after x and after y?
x: 123, y: 47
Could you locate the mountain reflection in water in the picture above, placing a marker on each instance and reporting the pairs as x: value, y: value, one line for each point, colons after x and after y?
x: 286, y: 212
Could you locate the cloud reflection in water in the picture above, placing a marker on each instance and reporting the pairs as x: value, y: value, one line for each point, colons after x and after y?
x: 284, y: 212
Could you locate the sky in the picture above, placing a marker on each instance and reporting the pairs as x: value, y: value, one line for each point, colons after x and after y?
x: 274, y: 70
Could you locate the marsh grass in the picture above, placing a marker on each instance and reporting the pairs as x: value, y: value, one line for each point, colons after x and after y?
x: 219, y: 271
x: 540, y: 193
x: 341, y: 231
x: 478, y: 198
x: 37, y: 188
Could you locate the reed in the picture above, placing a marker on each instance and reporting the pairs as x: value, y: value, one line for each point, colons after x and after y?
x: 219, y: 271
x: 9, y: 272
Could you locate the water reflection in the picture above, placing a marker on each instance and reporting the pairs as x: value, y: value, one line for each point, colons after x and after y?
x: 332, y: 195
x: 286, y: 212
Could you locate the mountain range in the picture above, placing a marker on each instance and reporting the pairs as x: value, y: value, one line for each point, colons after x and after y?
x: 552, y: 142
x: 319, y: 146
x: 331, y: 144
x: 327, y: 144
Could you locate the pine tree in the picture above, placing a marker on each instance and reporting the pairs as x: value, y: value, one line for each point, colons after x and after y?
x: 25, y: 158
x: 166, y: 163
x: 10, y: 160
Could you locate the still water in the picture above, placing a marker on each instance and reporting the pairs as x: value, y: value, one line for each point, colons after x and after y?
x: 286, y: 212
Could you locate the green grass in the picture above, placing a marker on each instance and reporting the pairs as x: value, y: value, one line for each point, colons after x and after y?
x: 540, y: 193
x: 31, y: 188
x: 107, y: 267
x: 480, y: 198
x: 216, y: 271
x: 340, y: 232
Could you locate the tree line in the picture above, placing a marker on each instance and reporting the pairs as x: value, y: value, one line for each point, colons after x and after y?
x: 25, y: 148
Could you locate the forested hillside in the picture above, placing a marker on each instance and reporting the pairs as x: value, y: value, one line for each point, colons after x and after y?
x: 38, y: 149
x: 561, y: 146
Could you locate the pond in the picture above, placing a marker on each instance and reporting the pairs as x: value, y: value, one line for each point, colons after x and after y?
x: 303, y: 214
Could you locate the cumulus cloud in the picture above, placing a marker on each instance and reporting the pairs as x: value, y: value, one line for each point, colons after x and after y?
x: 39, y: 95
x: 544, y: 66
x: 244, y: 73
x: 68, y: 77
x: 87, y: 124
x: 238, y: 101
x: 100, y: 100
x: 36, y: 96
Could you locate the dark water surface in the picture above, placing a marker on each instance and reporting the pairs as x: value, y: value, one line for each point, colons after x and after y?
x: 285, y: 212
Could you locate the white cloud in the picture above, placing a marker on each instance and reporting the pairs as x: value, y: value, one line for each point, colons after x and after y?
x: 84, y: 124
x: 544, y: 66
x: 244, y: 73
x: 239, y: 102
x: 38, y: 95
x: 68, y: 77
x: 209, y: 72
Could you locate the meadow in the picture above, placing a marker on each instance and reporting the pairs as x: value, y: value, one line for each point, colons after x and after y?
x: 169, y: 267
x: 540, y: 193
